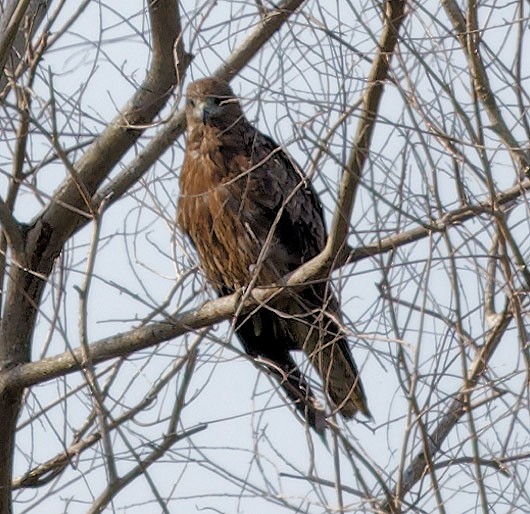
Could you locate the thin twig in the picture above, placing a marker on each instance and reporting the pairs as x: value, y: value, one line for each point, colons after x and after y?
x: 168, y: 441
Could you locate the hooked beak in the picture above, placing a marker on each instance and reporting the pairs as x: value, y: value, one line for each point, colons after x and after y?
x: 203, y: 110
x: 206, y: 113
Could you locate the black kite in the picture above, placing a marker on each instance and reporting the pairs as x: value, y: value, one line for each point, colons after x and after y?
x: 252, y: 215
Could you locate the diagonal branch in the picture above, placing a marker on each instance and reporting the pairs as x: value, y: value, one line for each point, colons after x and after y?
x: 458, y: 407
x: 504, y: 200
x: 123, y: 131
x: 175, y: 127
x: 19, y: 22
x: 394, y: 17
x: 12, y: 17
x: 469, y: 36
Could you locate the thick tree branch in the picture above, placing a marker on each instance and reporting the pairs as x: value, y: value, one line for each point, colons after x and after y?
x: 441, y: 283
x: 270, y: 24
x: 241, y: 56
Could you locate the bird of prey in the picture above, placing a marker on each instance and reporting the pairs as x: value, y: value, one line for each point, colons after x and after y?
x: 253, y: 217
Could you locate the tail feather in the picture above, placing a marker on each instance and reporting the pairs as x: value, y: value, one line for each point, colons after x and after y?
x: 339, y: 374
x: 262, y: 339
x: 315, y: 324
x: 305, y: 322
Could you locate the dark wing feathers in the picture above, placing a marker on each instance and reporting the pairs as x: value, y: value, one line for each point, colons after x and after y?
x: 252, y: 214
x: 312, y: 324
x: 301, y: 226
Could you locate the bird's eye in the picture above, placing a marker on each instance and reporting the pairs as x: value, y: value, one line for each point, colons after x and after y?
x: 217, y: 100
x: 191, y: 102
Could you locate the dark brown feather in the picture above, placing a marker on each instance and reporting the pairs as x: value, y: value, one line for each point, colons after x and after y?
x: 252, y: 215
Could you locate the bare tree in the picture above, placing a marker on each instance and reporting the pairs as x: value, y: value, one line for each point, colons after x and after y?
x: 120, y: 388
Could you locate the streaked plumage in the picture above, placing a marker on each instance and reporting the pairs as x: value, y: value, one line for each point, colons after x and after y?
x: 252, y: 215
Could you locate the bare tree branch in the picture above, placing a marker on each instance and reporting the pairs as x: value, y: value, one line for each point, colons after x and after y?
x: 18, y: 23
x: 469, y: 36
x: 393, y: 18
x: 12, y: 17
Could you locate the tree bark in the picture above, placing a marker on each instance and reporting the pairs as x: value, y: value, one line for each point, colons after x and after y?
x: 45, y: 238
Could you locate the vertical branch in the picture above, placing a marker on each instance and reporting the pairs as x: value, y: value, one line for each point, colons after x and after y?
x: 394, y: 17
x: 469, y: 36
x: 87, y: 364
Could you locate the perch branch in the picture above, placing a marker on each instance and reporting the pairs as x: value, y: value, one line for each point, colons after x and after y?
x: 214, y: 311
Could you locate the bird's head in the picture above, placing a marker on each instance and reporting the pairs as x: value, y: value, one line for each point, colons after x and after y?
x: 212, y: 102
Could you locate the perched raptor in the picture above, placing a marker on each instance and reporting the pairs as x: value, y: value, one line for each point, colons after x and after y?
x: 253, y: 218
